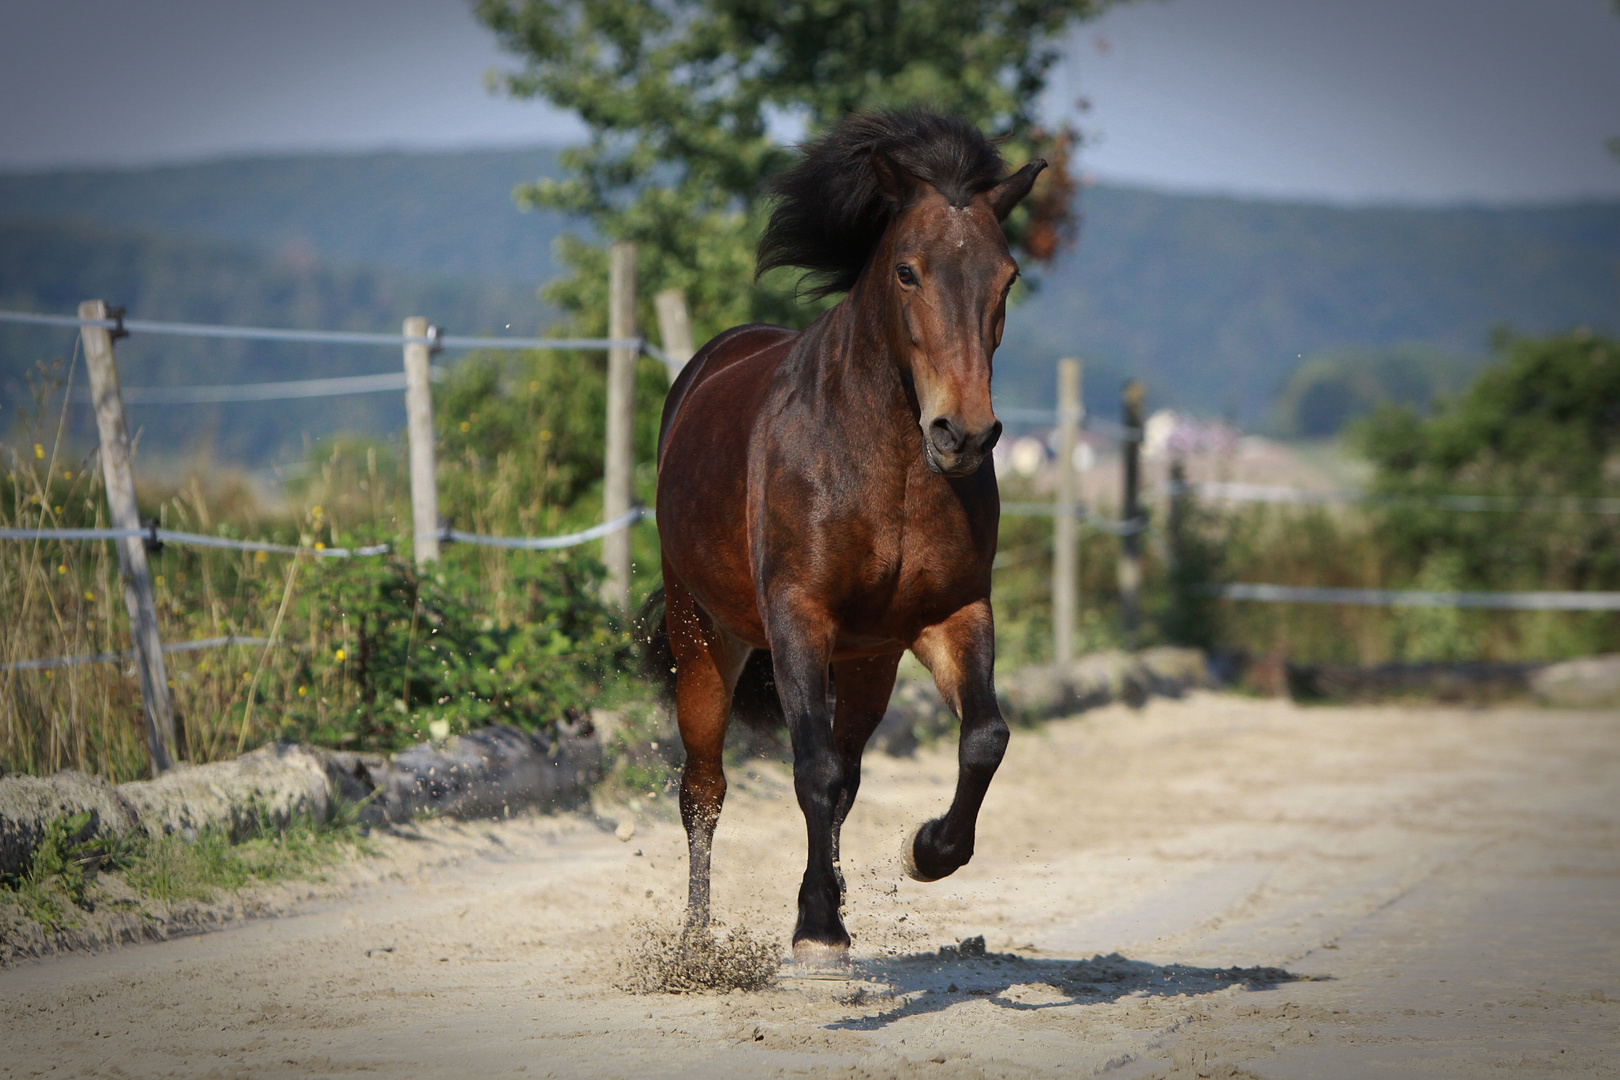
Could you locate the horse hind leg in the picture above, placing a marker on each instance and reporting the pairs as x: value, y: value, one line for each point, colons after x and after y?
x: 707, y: 663
x: 960, y: 652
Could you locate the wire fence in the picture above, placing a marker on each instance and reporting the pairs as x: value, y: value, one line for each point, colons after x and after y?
x: 129, y: 654
x: 1497, y: 601
x: 436, y: 341
x: 1267, y: 493
x: 153, y: 537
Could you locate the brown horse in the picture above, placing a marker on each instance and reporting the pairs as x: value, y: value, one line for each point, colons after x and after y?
x: 829, y: 496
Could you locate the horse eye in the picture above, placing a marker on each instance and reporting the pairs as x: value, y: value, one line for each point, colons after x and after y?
x: 906, y: 274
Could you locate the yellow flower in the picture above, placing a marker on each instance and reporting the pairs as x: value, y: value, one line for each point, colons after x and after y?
x: 61, y: 568
x: 302, y: 690
x: 67, y: 474
x: 160, y: 579
x: 261, y: 556
x: 465, y: 426
x: 534, y: 388
x: 39, y: 452
x: 58, y: 509
x: 545, y: 435
x: 90, y: 596
x: 319, y: 546
x: 341, y: 655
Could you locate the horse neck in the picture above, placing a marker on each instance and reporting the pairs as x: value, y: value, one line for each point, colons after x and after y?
x: 855, y: 372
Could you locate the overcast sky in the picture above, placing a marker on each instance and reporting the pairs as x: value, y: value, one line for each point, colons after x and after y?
x: 1344, y: 100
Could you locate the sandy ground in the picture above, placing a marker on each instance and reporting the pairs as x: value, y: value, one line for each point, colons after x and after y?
x: 1445, y: 884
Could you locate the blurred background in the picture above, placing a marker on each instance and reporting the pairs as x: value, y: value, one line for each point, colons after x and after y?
x: 1364, y: 256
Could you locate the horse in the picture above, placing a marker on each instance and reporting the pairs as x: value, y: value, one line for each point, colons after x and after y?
x: 829, y: 496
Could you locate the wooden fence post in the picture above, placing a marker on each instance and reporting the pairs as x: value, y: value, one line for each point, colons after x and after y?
x: 674, y: 329
x: 1130, y: 555
x: 619, y: 471
x: 419, y: 433
x: 118, y: 473
x: 1065, y: 561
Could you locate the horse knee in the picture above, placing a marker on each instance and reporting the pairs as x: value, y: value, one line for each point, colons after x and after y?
x: 820, y: 776
x: 984, y: 745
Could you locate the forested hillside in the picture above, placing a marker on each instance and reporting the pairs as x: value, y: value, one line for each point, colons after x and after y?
x: 442, y: 214
x: 1213, y: 301
x: 50, y: 267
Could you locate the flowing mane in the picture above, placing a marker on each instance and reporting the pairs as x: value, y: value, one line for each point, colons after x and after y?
x: 831, y: 206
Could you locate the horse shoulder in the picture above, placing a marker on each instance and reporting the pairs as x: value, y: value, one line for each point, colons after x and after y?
x: 723, y: 351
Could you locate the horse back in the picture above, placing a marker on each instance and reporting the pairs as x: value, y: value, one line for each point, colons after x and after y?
x: 733, y: 346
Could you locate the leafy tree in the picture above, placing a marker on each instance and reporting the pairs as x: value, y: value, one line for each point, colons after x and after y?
x: 680, y: 96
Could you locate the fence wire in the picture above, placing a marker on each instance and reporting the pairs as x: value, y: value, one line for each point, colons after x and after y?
x: 127, y: 654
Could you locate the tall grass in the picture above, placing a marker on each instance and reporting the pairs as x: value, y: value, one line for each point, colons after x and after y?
x: 365, y: 653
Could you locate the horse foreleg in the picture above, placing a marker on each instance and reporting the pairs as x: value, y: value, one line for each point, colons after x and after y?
x: 961, y: 654
x: 707, y: 663
x: 863, y: 689
x: 801, y: 642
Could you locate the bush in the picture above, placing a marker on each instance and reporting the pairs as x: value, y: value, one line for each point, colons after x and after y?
x: 387, y: 656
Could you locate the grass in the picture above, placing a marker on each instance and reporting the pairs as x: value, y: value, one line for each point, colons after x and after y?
x: 67, y: 876
x: 366, y: 654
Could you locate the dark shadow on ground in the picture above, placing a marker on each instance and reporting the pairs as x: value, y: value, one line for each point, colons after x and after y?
x: 932, y: 982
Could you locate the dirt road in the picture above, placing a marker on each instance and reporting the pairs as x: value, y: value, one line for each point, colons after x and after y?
x: 1445, y: 885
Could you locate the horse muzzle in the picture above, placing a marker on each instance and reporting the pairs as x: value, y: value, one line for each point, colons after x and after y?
x: 951, y: 450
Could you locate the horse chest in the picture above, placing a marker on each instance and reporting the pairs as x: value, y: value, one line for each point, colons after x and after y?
x: 911, y: 565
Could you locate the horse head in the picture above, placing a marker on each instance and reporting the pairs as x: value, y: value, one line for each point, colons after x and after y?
x: 943, y: 271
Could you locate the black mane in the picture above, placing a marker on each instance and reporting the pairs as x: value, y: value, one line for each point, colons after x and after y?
x: 831, y: 208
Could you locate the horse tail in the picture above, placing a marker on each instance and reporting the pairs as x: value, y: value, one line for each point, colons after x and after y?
x: 753, y: 703
x: 657, y: 658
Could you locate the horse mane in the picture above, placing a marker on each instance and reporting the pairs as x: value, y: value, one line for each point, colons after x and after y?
x: 831, y: 206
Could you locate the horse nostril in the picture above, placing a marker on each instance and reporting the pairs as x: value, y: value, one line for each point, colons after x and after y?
x: 946, y: 436
x: 991, y: 436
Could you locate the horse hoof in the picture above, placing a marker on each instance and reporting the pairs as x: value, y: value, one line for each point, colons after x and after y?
x: 818, y: 960
x: 908, y: 858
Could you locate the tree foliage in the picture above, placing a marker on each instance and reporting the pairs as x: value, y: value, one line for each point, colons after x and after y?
x: 1540, y: 426
x: 680, y: 98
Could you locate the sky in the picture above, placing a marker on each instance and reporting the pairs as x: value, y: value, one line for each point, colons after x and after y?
x: 1347, y: 101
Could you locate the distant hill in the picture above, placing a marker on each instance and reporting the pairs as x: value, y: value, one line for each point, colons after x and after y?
x: 1212, y: 301
x: 439, y: 214
x: 52, y: 266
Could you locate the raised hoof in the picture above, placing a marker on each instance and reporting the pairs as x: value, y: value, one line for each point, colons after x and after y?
x: 908, y: 858
x: 817, y: 960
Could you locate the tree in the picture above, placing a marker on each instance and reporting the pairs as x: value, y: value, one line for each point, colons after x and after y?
x: 679, y: 97
x: 1538, y: 430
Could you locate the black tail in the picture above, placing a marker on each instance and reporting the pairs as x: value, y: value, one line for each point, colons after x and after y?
x: 754, y: 703
x: 657, y: 658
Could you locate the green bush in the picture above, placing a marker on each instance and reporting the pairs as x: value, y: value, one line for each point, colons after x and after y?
x: 391, y: 654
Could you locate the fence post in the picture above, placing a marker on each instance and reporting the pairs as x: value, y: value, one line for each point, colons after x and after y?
x: 619, y: 473
x: 1130, y: 555
x: 1065, y: 561
x: 419, y: 433
x: 118, y: 473
x: 674, y: 329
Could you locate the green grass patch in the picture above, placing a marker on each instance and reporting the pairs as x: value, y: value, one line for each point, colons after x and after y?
x: 64, y: 875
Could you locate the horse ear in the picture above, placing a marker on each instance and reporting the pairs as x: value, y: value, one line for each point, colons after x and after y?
x: 893, y: 180
x: 1011, y: 191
